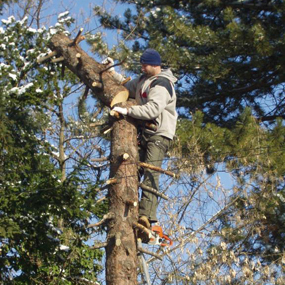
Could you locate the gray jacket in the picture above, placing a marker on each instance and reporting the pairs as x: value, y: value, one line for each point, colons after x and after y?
x: 156, y: 100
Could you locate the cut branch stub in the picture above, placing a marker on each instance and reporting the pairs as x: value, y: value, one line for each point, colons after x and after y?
x: 132, y: 203
x: 89, y: 71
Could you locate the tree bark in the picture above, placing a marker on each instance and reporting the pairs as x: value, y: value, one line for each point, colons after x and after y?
x: 121, y: 251
x: 92, y: 73
x: 121, y: 247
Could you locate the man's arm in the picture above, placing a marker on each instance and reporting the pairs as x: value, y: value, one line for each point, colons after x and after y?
x: 158, y: 98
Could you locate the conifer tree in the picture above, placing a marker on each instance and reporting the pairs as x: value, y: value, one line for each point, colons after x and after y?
x: 47, y: 190
x: 228, y: 55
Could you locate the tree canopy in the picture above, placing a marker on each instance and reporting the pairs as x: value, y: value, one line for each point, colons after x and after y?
x: 46, y: 198
x: 228, y: 54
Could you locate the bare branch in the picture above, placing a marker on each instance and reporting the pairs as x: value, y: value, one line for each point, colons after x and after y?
x: 106, y: 218
x: 48, y: 56
x: 78, y: 37
x: 99, y: 245
x: 58, y: 59
x: 152, y: 167
x: 190, y: 235
x: 149, y: 253
x: 152, y: 190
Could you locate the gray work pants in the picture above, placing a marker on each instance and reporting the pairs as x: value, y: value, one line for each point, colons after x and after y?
x: 152, y: 150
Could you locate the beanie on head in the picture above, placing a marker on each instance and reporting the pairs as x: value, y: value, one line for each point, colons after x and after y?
x: 151, y: 57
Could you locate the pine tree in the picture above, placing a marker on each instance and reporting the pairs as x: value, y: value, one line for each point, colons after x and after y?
x: 228, y: 56
x: 246, y: 237
x: 228, y: 53
x: 46, y: 199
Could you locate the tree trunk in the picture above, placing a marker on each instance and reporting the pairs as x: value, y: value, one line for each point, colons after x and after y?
x: 121, y: 263
x: 92, y: 73
x: 121, y: 249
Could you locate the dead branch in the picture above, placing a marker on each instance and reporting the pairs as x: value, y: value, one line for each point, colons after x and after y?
x: 143, y: 250
x: 107, y: 130
x: 126, y: 80
x: 99, y: 245
x: 58, y: 59
x: 108, y: 182
x: 100, y: 200
x: 111, y: 181
x: 100, y: 159
x: 78, y: 37
x: 152, y: 167
x: 48, y: 56
x: 154, y: 191
x: 106, y: 218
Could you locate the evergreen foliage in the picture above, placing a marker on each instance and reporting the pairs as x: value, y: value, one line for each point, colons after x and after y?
x: 45, y: 206
x: 229, y: 58
x: 228, y: 54
x: 246, y: 245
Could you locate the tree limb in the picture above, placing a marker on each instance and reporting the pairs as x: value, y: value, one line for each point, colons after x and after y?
x: 152, y: 167
x: 106, y: 218
x: 154, y: 191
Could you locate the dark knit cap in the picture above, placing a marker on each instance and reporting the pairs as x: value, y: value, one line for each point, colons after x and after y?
x: 151, y: 57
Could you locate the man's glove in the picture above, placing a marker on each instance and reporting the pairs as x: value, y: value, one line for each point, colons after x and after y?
x: 123, y: 111
x: 108, y: 62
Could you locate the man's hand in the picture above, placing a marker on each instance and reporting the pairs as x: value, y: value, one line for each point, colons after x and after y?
x: 108, y: 62
x: 123, y: 111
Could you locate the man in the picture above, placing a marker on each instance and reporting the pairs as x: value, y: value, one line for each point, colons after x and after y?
x: 156, y: 98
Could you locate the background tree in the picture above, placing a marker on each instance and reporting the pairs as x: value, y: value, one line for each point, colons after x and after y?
x: 227, y: 56
x: 47, y: 183
x: 224, y: 233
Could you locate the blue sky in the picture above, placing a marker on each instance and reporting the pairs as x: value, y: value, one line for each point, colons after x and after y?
x: 82, y: 11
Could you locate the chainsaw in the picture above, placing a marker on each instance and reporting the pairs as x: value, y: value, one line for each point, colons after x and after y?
x: 158, y: 237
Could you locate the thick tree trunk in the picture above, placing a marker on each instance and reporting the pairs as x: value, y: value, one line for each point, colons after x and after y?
x: 92, y: 73
x: 121, y: 249
x: 121, y: 264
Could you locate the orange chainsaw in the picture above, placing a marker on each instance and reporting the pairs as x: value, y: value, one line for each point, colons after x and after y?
x: 158, y: 237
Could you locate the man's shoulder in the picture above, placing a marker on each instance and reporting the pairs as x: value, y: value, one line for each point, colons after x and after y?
x: 164, y: 82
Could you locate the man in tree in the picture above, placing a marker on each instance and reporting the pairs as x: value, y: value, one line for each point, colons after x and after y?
x: 154, y: 92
